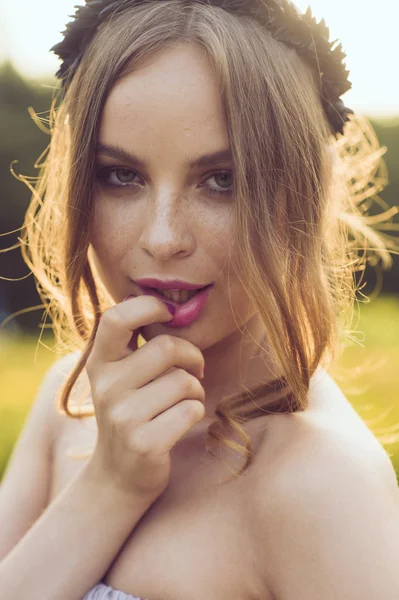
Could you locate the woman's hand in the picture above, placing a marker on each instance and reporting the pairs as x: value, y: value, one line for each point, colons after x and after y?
x: 145, y: 399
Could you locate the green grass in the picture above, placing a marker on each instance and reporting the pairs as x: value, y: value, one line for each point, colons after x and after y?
x: 368, y: 373
x: 21, y: 372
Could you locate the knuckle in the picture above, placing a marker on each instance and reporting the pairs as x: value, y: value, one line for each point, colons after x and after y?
x: 139, y: 443
x: 199, y: 409
x: 167, y: 345
x: 193, y: 409
x: 121, y: 425
x: 200, y: 392
x: 198, y: 355
x: 112, y: 318
x: 122, y: 420
x: 187, y: 382
x: 192, y: 387
x: 101, y: 393
x: 118, y: 420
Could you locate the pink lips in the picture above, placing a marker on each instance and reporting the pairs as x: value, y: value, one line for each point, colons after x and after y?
x: 170, y: 284
x: 186, y: 313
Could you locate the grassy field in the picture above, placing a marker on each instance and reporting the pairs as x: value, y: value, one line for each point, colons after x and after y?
x: 368, y: 373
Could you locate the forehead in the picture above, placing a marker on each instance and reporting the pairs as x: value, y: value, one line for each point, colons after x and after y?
x: 174, y: 92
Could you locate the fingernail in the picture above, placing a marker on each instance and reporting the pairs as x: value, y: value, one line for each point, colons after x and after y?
x: 171, y: 308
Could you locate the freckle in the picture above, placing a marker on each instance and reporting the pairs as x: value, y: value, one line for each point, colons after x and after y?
x: 187, y: 131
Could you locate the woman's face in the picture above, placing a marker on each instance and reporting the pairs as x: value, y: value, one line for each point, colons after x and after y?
x: 160, y: 217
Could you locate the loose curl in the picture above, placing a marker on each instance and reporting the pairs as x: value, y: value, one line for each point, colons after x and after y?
x: 298, y: 230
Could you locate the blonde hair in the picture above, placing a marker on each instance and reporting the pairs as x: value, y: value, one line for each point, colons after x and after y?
x: 298, y: 231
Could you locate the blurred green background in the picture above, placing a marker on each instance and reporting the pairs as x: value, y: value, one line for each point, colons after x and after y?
x: 371, y: 376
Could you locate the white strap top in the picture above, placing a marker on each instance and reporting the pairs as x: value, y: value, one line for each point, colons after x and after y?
x: 105, y: 592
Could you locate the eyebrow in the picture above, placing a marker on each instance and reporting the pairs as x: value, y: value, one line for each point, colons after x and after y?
x: 206, y: 160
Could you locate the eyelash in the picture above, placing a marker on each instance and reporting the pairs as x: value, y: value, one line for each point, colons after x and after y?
x: 102, y: 174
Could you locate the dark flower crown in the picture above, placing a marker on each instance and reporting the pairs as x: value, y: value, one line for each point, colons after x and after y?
x: 298, y: 30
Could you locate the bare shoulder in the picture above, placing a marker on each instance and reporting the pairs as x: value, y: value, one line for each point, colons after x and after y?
x: 315, y: 442
x: 52, y: 381
x: 328, y: 512
x: 344, y: 429
x: 325, y: 458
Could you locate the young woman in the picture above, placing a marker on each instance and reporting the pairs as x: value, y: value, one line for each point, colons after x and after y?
x: 191, y: 230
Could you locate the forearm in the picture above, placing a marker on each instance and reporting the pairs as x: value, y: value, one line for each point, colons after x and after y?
x: 71, y: 546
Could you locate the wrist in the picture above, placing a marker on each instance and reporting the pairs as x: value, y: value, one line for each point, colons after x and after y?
x: 113, y: 496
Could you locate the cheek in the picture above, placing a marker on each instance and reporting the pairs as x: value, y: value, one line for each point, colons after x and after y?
x: 109, y: 241
x: 111, y: 230
x: 216, y: 238
x: 235, y: 284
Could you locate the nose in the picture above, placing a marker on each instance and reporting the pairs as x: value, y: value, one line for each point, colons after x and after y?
x: 167, y: 232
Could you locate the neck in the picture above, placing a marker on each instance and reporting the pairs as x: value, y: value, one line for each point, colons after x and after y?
x: 238, y: 363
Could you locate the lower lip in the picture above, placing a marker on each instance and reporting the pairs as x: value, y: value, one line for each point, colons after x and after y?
x: 186, y: 313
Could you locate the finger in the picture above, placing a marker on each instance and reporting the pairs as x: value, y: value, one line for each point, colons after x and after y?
x: 170, y: 426
x: 158, y: 396
x: 121, y: 321
x: 158, y: 356
x: 148, y: 363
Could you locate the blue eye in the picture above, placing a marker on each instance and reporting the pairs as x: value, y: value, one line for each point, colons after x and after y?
x: 222, y: 191
x: 102, y: 175
x: 125, y: 178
